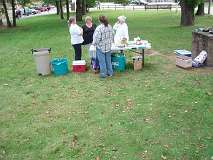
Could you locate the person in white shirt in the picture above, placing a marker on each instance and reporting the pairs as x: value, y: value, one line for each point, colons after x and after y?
x: 121, y: 30
x: 76, y: 34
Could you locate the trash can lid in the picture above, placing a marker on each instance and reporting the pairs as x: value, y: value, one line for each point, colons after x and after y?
x: 41, y: 53
x: 41, y: 49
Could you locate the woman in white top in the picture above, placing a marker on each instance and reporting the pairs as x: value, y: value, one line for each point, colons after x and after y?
x: 76, y: 33
x: 121, y: 30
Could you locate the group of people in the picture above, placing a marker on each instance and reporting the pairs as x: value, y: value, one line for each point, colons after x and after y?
x: 99, y: 37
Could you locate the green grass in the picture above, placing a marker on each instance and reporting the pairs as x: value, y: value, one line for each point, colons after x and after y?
x: 162, y: 111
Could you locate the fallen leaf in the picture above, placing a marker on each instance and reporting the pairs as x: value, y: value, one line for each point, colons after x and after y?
x: 166, y: 146
x: 163, y: 157
x: 209, y: 93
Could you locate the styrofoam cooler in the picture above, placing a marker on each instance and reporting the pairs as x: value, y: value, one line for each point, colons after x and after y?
x: 42, y: 59
x: 184, y: 62
x: 79, y: 66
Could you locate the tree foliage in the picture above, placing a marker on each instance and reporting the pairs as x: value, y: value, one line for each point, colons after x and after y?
x: 192, y: 3
x: 53, y: 2
x: 90, y: 3
x: 121, y: 1
x: 23, y: 2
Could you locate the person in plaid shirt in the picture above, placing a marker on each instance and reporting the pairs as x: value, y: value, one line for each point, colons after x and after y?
x: 102, y: 40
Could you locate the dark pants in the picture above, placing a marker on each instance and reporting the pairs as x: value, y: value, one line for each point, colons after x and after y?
x: 77, y: 48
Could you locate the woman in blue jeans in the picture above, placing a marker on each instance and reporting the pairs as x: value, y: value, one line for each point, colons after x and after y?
x: 103, y: 39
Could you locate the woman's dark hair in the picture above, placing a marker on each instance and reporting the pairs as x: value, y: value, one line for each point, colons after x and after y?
x: 104, y: 20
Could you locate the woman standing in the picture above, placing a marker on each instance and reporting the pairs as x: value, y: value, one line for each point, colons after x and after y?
x: 76, y: 33
x: 103, y: 39
x: 121, y: 30
x: 88, y: 31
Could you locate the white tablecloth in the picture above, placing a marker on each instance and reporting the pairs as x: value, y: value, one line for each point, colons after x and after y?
x: 131, y: 45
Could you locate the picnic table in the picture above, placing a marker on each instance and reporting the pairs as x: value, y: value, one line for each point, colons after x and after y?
x: 132, y: 47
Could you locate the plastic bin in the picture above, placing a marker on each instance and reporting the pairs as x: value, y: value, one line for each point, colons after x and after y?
x: 118, y: 62
x: 42, y: 59
x: 59, y: 66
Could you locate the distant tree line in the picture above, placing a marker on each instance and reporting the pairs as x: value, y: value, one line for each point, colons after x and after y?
x: 82, y: 7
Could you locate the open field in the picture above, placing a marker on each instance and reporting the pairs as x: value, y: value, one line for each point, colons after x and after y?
x: 162, y: 112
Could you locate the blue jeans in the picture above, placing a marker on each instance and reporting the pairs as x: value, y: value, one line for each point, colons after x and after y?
x: 105, y: 63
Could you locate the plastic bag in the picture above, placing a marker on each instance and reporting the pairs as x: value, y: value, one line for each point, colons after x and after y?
x: 200, y: 59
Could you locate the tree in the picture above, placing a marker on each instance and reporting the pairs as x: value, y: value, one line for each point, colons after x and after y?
x: 68, y: 9
x: 78, y: 10
x: 84, y: 8
x: 124, y: 2
x: 6, y: 13
x: 53, y: 2
x: 23, y: 2
x: 61, y: 9
x: 90, y: 4
x: 14, y: 12
x: 209, y: 7
x: 187, y: 11
x: 57, y: 7
x: 200, y: 10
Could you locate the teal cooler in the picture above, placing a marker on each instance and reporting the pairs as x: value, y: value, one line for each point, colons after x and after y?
x: 59, y: 66
x: 118, y: 62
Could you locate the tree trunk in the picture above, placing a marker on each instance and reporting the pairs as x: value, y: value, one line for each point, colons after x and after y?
x: 84, y: 7
x: 78, y: 10
x: 68, y: 9
x: 6, y: 13
x: 14, y: 12
x: 61, y: 9
x: 1, y: 23
x: 57, y: 7
x: 87, y: 8
x: 187, y: 14
x: 209, y: 7
x: 200, y: 10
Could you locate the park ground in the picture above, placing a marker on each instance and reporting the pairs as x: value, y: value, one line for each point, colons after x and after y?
x: 161, y: 112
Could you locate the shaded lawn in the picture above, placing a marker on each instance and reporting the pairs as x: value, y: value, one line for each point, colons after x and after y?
x: 162, y: 111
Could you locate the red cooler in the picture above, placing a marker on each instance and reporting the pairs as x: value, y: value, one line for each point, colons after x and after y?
x: 79, y: 66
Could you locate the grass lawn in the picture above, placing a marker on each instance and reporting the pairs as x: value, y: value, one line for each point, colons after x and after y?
x: 162, y: 112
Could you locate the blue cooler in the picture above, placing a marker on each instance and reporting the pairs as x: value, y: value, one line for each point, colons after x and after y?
x: 118, y: 62
x: 59, y: 66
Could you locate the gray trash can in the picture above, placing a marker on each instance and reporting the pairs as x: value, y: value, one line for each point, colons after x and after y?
x: 42, y: 59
